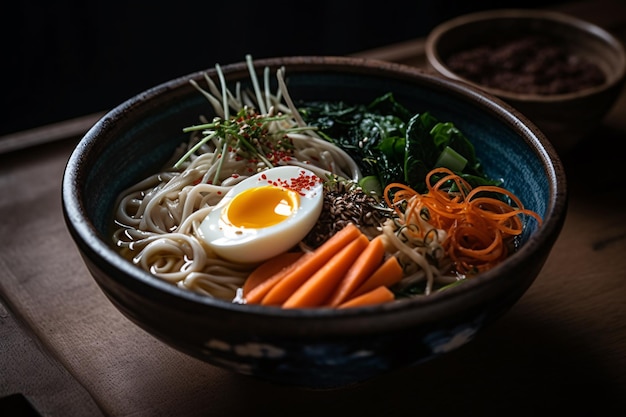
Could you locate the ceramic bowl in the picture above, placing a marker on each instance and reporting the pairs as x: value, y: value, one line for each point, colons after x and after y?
x: 314, y: 348
x: 565, y: 116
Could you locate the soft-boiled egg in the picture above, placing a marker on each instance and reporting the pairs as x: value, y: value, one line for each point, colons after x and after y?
x: 264, y: 215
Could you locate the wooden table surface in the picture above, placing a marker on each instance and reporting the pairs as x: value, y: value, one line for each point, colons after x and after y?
x: 561, y: 349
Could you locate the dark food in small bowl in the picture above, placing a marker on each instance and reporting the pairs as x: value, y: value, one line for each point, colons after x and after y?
x: 527, y: 64
x: 561, y: 72
x: 318, y: 347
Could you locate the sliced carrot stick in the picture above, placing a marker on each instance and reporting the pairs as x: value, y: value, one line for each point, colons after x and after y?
x: 387, y: 274
x: 276, y: 289
x: 378, y: 295
x: 316, y: 290
x: 269, y: 268
x: 260, y: 290
x: 363, y: 267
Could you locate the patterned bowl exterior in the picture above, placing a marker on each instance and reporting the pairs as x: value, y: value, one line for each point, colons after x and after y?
x: 313, y: 348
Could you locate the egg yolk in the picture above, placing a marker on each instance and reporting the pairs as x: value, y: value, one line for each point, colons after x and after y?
x: 261, y: 207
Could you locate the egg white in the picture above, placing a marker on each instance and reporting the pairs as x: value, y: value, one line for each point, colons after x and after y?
x: 251, y: 245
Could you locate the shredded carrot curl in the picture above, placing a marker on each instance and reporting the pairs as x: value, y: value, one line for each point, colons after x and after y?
x: 479, y: 226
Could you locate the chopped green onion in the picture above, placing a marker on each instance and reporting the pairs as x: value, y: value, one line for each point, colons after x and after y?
x: 451, y: 159
x: 371, y: 185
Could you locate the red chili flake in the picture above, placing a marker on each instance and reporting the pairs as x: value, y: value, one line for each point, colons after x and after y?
x: 299, y: 184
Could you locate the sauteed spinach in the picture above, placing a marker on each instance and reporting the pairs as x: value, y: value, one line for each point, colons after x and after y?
x: 391, y: 144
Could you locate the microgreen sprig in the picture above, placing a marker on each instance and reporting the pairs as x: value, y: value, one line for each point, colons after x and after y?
x: 247, y: 133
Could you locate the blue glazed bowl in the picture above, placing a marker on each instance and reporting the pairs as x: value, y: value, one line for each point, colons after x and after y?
x: 314, y: 348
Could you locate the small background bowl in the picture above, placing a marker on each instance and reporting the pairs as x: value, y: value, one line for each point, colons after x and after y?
x: 314, y: 348
x: 566, y: 119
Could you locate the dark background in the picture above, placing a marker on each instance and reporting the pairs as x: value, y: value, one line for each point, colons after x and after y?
x: 66, y: 59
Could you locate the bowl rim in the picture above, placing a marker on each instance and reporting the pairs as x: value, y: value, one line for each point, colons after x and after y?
x: 583, y: 26
x: 91, y: 245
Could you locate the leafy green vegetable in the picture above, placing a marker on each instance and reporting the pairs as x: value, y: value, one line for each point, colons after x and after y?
x: 420, y: 150
x: 393, y: 144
